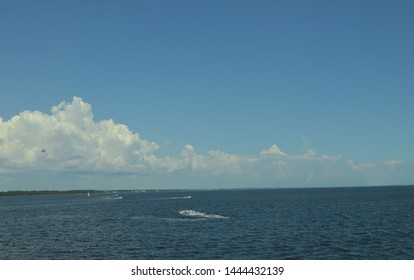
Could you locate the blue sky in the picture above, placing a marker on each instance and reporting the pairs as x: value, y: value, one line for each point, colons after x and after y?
x: 327, y: 79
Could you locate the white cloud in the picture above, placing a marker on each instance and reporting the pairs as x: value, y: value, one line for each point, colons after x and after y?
x: 192, y: 160
x: 364, y: 167
x: 70, y: 138
x: 216, y: 162
x: 393, y: 164
x: 70, y: 141
x: 274, y: 150
x: 309, y: 154
x: 361, y: 166
x: 330, y: 158
x: 390, y: 165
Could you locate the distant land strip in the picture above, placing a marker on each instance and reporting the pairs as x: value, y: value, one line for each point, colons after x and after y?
x: 95, y: 191
x: 56, y: 192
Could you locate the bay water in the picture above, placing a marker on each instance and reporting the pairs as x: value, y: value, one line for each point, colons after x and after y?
x: 316, y: 223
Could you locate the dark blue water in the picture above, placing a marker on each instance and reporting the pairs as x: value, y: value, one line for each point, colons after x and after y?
x: 333, y: 223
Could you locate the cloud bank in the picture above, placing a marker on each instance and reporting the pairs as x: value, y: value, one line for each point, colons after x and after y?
x: 41, y: 149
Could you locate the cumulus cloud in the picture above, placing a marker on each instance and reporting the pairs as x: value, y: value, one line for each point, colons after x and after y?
x: 273, y: 150
x: 215, y: 162
x: 69, y: 140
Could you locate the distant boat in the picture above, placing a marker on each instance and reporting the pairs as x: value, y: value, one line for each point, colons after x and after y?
x: 89, y: 194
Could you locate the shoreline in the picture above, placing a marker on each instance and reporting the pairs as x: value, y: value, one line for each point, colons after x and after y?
x: 66, y: 192
x: 95, y: 191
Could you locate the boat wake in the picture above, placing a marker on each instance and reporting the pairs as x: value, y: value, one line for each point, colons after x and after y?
x: 115, y: 197
x: 175, y: 197
x: 196, y: 214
